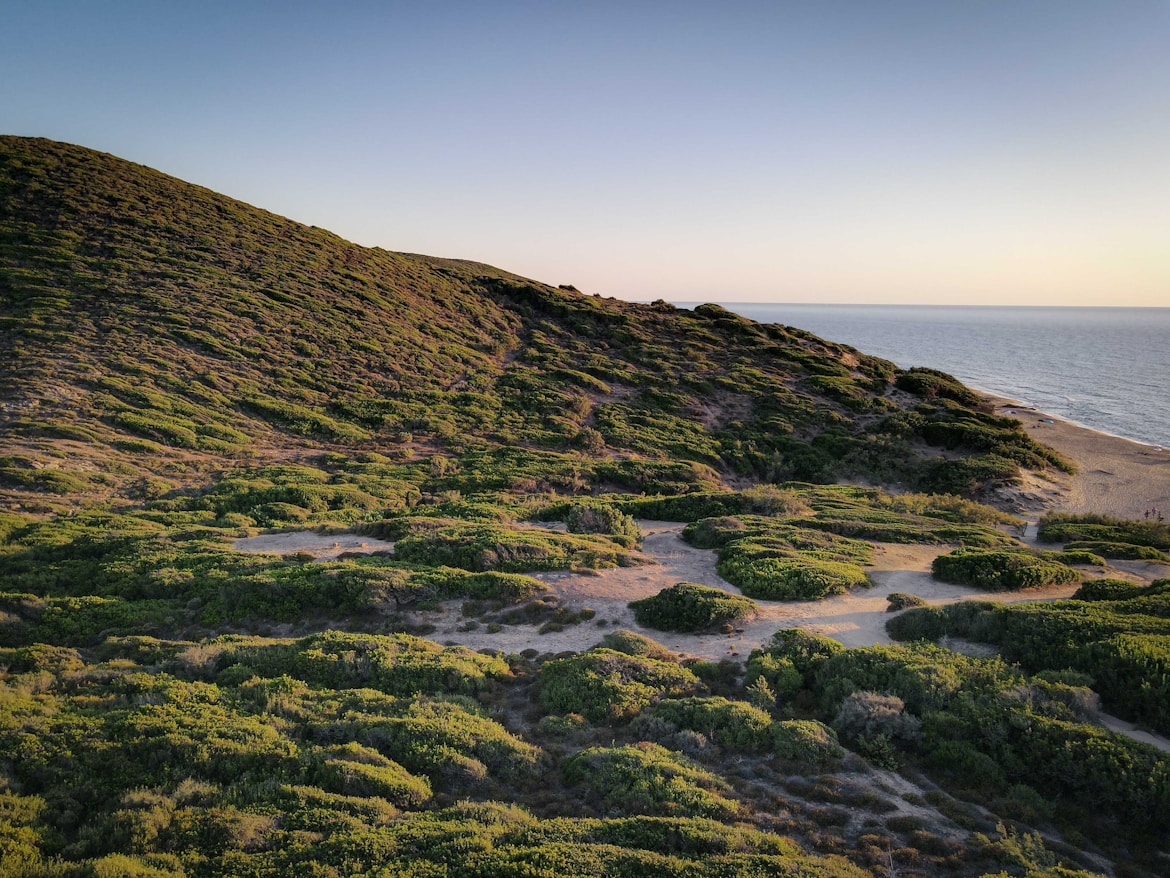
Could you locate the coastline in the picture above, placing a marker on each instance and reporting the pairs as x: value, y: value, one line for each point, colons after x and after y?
x: 1115, y: 476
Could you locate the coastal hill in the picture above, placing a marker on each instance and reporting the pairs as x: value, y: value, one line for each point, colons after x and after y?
x: 324, y: 560
x: 153, y: 332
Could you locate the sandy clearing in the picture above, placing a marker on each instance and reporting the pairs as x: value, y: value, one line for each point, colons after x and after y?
x: 854, y: 619
x: 323, y: 547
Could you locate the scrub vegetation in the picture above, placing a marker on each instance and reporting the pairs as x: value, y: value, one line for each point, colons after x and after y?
x: 180, y: 371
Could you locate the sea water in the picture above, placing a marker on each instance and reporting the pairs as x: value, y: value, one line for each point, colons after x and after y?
x: 1104, y: 368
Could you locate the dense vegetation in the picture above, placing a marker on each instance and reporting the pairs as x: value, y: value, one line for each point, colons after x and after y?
x: 179, y: 371
x: 1115, y: 633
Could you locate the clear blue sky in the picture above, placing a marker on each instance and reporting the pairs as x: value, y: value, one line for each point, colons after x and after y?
x: 1000, y: 151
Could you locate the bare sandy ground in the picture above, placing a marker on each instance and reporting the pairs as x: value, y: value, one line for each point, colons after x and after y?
x: 323, y: 547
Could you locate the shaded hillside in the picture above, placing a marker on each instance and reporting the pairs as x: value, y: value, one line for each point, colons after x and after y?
x: 154, y: 331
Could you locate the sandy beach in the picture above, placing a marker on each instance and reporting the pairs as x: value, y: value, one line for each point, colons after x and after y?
x: 1114, y: 476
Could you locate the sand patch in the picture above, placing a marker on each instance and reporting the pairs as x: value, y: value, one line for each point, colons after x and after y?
x: 323, y: 547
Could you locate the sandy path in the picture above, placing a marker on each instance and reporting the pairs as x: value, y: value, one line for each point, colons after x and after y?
x: 1125, y: 727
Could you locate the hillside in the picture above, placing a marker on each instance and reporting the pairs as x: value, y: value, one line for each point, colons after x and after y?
x: 248, y: 468
x: 153, y: 330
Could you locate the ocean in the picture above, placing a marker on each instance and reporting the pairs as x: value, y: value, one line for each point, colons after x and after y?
x: 1104, y: 368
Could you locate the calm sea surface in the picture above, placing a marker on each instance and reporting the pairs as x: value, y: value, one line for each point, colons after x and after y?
x: 1105, y: 368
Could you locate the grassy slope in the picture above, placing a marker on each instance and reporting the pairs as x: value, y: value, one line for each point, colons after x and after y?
x: 154, y: 330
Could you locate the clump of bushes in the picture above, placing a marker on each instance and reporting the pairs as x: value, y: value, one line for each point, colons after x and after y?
x: 687, y: 606
x: 805, y: 741
x: 931, y: 384
x: 966, y: 476
x: 1119, y: 551
x: 790, y: 660
x: 792, y: 578
x: 1063, y: 528
x: 739, y: 727
x: 733, y: 725
x: 901, y: 601
x: 1000, y: 571
x: 603, y: 685
x: 1108, y: 590
x: 632, y: 643
x: 598, y: 519
x: 771, y: 559
x: 649, y: 779
x: 878, y: 724
x: 1075, y: 557
x: 495, y: 547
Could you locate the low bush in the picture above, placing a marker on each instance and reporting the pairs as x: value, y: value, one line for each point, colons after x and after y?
x: 649, y: 779
x: 585, y: 518
x: 1000, y: 571
x: 1064, y: 528
x: 1108, y: 590
x: 687, y: 606
x: 632, y: 643
x: 603, y: 685
x: 805, y: 741
x: 898, y: 600
x: 793, y: 578
x: 1120, y: 551
x: 733, y: 725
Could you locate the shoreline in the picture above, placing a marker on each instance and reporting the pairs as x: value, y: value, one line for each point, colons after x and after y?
x: 1115, y: 476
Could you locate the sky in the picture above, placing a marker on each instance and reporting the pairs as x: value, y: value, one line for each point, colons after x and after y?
x: 999, y: 152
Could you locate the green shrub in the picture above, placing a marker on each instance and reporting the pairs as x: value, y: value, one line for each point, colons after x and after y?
x: 603, y: 685
x: 805, y: 741
x: 649, y: 779
x: 492, y: 547
x: 966, y: 476
x: 1108, y: 590
x: 898, y: 600
x: 918, y: 623
x: 632, y: 643
x: 1058, y: 527
x: 790, y: 578
x: 397, y: 664
x: 733, y: 725
x: 585, y: 518
x: 354, y: 770
x: 1000, y: 571
x: 1075, y: 557
x: 931, y: 384
x: 1120, y: 551
x: 687, y: 606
